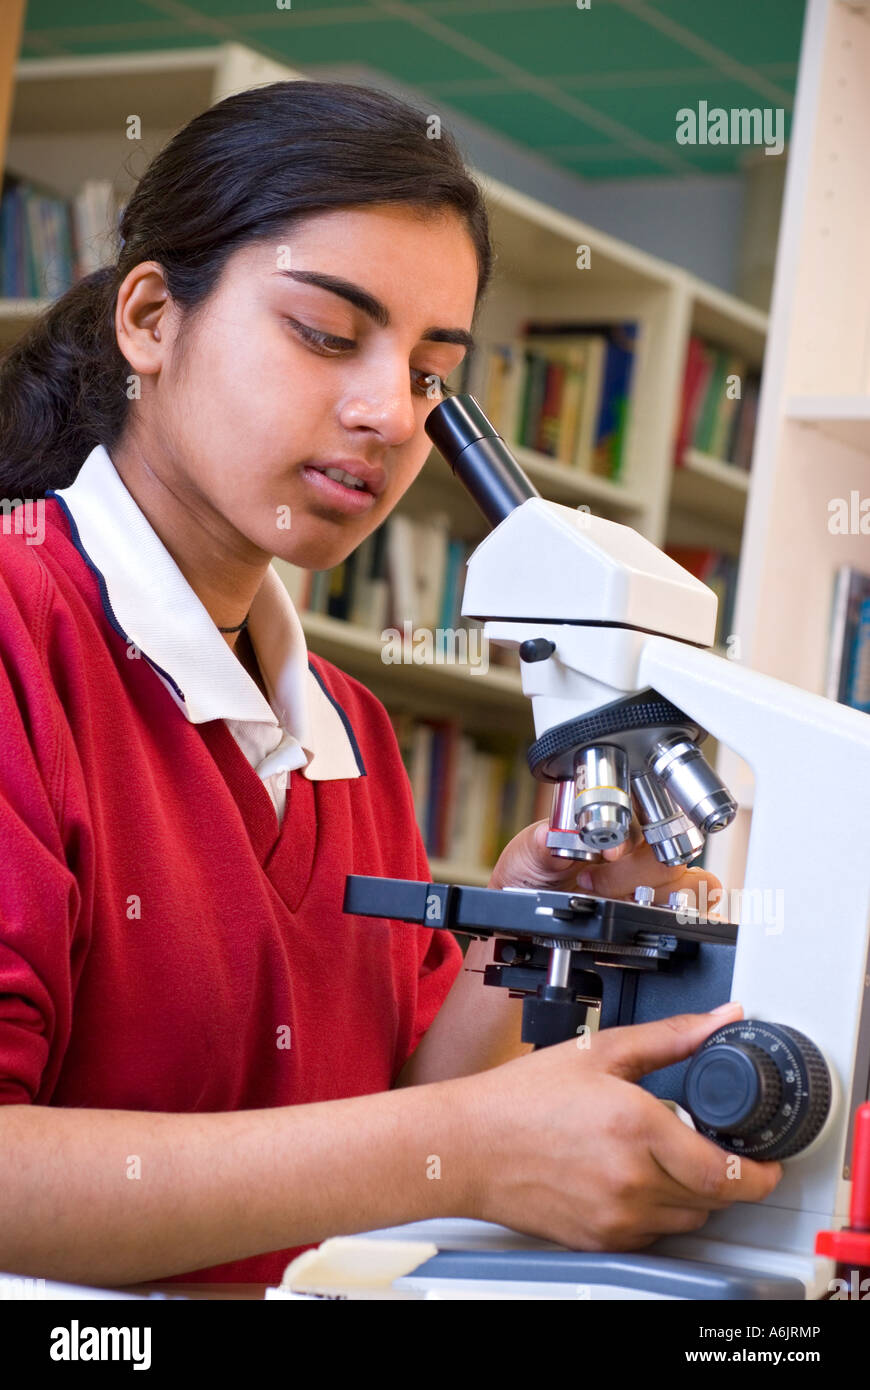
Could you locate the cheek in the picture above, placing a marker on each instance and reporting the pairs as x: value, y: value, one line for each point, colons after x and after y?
x: 257, y: 406
x: 407, y: 468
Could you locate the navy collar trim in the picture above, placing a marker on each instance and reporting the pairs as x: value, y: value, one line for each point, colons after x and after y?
x: 104, y: 593
x: 343, y: 717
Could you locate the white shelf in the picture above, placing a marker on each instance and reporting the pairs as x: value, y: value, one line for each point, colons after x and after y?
x: 711, y: 488
x: 16, y: 315
x: 727, y: 320
x: 23, y: 308
x: 348, y: 644
x: 572, y: 485
x: 539, y: 242
x: 845, y: 419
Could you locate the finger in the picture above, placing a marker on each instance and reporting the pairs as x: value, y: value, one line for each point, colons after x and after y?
x: 634, y: 841
x: 632, y: 1051
x: 527, y: 862
x: 688, y: 881
x: 714, y: 1176
x: 674, y: 1193
x: 676, y: 1220
x: 619, y: 879
x: 618, y: 851
x: 544, y: 858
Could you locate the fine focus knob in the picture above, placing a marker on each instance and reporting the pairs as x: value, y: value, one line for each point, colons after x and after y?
x: 758, y: 1089
x: 733, y: 1087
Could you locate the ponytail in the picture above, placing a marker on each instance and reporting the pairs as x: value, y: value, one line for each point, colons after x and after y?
x: 61, y: 390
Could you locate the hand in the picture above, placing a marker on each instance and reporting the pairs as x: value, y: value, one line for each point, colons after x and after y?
x: 527, y: 863
x: 561, y: 1144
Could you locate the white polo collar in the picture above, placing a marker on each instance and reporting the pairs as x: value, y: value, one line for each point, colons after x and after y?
x: 151, y: 605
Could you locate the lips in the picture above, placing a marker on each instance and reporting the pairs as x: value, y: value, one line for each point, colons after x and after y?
x: 373, y: 478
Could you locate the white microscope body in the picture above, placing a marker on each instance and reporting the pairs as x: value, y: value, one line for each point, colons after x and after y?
x: 626, y: 618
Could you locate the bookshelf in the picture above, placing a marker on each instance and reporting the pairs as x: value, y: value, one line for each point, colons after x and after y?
x: 495, y: 697
x: 68, y: 125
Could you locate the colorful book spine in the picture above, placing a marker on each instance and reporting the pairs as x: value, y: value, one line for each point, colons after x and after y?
x: 718, y: 406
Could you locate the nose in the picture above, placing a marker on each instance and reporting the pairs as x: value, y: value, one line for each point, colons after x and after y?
x: 382, y: 401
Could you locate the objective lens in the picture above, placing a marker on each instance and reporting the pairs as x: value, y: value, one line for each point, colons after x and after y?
x: 603, y: 804
x: 563, y: 838
x: 670, y: 833
x: 691, y: 782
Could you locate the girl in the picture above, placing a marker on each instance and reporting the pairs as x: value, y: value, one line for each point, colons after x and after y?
x: 205, y: 1065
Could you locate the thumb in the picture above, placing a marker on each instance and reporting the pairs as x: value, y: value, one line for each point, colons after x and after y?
x: 633, y: 1051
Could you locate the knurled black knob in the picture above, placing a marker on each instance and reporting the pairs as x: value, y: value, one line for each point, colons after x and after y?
x: 733, y: 1087
x: 759, y: 1089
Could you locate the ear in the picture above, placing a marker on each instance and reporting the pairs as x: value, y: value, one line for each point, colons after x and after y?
x: 143, y: 318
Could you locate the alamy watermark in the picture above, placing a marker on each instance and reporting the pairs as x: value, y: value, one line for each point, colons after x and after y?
x: 440, y: 646
x: 849, y: 516
x: 23, y: 517
x: 854, y: 1288
x: 741, y: 125
x: 77, y: 1343
x: 751, y: 907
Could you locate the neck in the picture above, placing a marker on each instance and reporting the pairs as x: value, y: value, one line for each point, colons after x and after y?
x: 244, y: 650
x: 223, y: 569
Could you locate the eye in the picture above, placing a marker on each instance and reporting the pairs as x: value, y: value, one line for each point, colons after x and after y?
x: 327, y: 343
x: 425, y: 383
x: 430, y: 384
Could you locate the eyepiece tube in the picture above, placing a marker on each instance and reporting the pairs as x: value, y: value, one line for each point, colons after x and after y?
x: 479, y: 457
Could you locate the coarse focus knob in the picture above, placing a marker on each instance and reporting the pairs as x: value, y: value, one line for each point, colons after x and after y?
x: 758, y: 1089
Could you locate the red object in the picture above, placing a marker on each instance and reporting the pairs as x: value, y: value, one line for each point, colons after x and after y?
x: 851, y: 1245
x: 695, y: 379
x: 158, y: 929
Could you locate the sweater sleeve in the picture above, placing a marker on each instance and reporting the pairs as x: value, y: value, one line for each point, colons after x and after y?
x: 39, y: 893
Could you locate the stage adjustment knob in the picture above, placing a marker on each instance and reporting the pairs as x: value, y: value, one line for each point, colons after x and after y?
x: 758, y: 1089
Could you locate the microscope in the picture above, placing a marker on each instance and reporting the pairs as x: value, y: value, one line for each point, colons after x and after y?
x: 613, y: 643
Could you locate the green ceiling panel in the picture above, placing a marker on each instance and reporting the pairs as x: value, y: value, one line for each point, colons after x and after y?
x: 529, y: 119
x: 753, y: 31
x: 566, y: 40
x: 61, y: 14
x: 390, y: 46
x: 593, y: 91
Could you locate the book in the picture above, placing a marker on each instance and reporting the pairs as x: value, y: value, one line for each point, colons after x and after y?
x: 712, y: 418
x: 614, y: 392
x: 48, y: 242
x: 848, y: 675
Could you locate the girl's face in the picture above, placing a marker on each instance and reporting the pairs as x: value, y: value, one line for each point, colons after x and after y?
x: 312, y: 352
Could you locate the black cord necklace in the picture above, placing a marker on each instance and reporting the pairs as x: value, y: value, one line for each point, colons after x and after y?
x: 242, y: 624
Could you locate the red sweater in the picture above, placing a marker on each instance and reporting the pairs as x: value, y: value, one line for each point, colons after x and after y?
x: 157, y: 928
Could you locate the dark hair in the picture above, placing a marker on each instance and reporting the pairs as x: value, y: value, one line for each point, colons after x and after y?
x: 238, y: 173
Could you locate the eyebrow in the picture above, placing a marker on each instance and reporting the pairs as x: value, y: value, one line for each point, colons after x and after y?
x: 363, y: 300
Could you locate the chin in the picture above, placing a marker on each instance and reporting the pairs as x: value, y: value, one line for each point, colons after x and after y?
x: 314, y: 555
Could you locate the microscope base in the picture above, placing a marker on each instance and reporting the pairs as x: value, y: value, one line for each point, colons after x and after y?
x: 479, y: 1259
